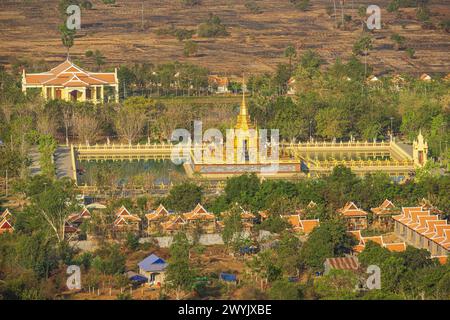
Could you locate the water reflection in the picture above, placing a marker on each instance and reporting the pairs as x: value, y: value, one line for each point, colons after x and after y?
x: 137, y: 174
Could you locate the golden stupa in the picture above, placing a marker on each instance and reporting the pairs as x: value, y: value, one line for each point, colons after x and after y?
x: 246, y: 135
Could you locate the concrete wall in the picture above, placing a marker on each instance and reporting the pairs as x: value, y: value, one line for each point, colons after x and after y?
x: 205, y: 239
x: 86, y: 245
x: 165, y: 242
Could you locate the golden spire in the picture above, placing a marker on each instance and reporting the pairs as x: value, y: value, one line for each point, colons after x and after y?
x: 243, y: 120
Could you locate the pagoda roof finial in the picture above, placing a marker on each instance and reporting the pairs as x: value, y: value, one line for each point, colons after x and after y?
x: 243, y: 110
x: 243, y: 121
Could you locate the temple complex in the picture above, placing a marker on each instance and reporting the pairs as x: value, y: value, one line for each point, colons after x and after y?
x: 249, y: 149
x: 71, y: 83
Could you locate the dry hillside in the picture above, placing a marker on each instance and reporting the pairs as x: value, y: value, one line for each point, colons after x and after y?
x: 29, y: 29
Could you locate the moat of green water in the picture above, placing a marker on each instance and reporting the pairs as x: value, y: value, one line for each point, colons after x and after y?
x: 130, y: 173
x: 148, y: 173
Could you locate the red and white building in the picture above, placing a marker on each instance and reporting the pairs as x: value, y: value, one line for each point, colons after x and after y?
x: 69, y: 82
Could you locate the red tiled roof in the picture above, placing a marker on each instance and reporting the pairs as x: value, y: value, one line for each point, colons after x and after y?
x: 5, y: 226
x: 345, y: 263
x: 67, y: 74
x: 123, y: 216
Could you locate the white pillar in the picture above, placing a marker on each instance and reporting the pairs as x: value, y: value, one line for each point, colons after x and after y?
x: 102, y: 94
x: 83, y: 94
x: 94, y: 94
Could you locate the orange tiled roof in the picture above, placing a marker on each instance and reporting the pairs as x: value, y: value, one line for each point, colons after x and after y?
x: 442, y: 259
x: 422, y: 226
x: 264, y: 214
x: 309, y: 225
x: 67, y: 74
x: 199, y: 213
x: 387, y: 207
x: 159, y: 213
x: 300, y: 225
x: 377, y: 239
x: 356, y: 234
x: 440, y: 231
x: 351, y: 210
x: 395, y: 247
x: 401, y: 246
x: 431, y: 226
x: 247, y: 215
x: 174, y: 223
x: 426, y: 224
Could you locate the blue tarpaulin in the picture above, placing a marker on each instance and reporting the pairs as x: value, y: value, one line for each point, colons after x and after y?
x: 228, y: 277
x: 138, y: 278
x: 248, y: 250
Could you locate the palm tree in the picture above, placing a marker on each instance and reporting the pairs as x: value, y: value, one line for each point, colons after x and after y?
x: 362, y: 46
x: 362, y: 15
x: 290, y: 53
x: 67, y: 37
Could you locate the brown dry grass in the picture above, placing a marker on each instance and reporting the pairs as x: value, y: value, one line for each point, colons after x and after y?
x: 256, y: 44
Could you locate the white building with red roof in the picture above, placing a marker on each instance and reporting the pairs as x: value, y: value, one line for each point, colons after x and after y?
x: 69, y: 82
